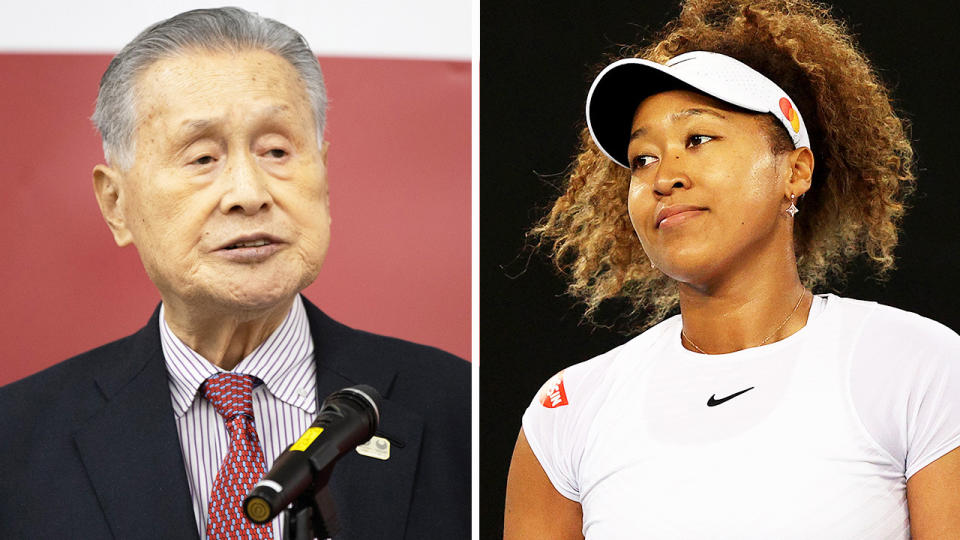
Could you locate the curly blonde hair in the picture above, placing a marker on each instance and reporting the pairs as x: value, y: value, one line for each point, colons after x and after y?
x: 864, y: 160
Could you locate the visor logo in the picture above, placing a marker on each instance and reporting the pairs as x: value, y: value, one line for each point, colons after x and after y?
x: 552, y: 395
x: 791, y: 115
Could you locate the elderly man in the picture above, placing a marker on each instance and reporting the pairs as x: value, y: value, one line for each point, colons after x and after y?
x: 212, y: 125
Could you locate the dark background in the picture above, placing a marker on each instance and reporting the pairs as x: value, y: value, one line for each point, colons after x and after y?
x: 536, y: 61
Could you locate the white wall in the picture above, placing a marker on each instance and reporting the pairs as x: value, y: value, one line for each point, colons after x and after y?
x: 431, y: 29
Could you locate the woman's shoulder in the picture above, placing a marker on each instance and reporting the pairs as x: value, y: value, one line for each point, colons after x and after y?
x: 630, y: 355
x: 905, y: 372
x: 896, y: 326
x: 561, y: 415
x: 584, y: 381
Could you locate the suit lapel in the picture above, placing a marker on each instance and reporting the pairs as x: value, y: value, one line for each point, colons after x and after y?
x: 372, y: 496
x: 131, y: 448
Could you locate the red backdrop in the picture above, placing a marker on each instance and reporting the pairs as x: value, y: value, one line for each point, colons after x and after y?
x: 399, y: 173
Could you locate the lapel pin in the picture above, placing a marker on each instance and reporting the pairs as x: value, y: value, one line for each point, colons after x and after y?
x: 376, y: 447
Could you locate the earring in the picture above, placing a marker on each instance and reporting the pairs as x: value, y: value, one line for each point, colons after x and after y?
x: 792, y: 209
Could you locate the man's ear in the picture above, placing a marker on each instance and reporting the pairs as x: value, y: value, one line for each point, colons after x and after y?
x: 324, y: 146
x: 108, y: 187
x: 801, y: 167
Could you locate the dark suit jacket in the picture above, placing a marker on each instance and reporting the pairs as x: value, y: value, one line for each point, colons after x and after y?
x: 89, y: 447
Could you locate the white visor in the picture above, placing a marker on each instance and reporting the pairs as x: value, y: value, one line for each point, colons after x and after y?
x: 621, y: 86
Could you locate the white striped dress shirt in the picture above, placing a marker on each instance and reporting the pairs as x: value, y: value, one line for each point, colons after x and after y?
x: 284, y: 401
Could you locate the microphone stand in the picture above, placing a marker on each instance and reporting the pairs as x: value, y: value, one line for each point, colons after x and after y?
x: 312, y: 514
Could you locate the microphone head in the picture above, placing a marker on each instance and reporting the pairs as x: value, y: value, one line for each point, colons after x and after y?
x: 370, y: 394
x: 364, y: 396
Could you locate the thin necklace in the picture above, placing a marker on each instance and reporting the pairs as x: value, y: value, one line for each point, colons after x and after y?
x: 766, y: 339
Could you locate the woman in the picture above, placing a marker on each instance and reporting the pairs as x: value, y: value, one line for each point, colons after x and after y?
x: 730, y: 168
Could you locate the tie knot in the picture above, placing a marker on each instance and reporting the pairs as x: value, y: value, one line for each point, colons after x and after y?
x: 230, y: 393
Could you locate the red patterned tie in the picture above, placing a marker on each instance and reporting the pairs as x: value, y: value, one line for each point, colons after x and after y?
x: 231, y: 395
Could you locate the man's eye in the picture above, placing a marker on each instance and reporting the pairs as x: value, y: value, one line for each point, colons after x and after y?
x: 640, y: 162
x: 277, y: 153
x: 697, y: 140
x: 203, y: 160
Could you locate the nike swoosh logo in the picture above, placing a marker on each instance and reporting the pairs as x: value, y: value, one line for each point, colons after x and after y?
x: 713, y: 401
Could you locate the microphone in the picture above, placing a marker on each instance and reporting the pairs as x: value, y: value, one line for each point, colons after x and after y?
x: 347, y: 418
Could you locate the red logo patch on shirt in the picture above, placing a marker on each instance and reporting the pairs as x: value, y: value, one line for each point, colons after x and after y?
x: 552, y: 395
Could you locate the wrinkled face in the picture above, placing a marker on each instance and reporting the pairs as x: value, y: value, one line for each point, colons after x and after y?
x: 226, y: 201
x: 706, y: 189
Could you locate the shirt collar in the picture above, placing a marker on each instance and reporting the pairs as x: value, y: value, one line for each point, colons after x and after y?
x: 284, y: 362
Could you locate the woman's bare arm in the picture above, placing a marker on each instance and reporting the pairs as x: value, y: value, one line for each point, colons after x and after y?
x: 534, y: 508
x: 933, y: 496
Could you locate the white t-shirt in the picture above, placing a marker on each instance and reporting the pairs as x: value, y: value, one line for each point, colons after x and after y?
x: 813, y: 436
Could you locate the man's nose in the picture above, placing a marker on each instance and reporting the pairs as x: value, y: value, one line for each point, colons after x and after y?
x: 245, y: 186
x: 671, y: 174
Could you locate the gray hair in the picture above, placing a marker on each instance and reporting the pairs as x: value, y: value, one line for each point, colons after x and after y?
x: 227, y: 29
